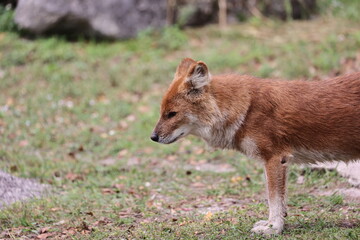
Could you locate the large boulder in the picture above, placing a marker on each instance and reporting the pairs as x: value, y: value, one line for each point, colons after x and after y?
x: 114, y: 19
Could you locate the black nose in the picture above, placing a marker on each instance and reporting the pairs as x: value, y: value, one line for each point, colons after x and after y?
x: 154, y: 137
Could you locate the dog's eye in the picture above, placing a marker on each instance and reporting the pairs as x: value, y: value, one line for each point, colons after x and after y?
x: 171, y: 114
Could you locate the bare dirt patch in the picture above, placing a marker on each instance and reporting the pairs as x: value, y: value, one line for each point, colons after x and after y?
x: 13, y: 189
x: 210, y: 167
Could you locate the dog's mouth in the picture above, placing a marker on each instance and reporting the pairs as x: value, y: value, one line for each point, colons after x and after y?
x: 175, y: 139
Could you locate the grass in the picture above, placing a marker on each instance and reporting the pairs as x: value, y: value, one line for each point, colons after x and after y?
x: 78, y: 115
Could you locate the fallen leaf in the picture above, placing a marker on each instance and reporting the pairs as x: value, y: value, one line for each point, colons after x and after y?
x: 102, y: 99
x: 119, y: 186
x: 185, y: 209
x: 107, y: 191
x: 85, y: 226
x: 23, y: 143
x: 131, y: 118
x: 44, y: 236
x: 150, y: 203
x: 123, y: 125
x: 133, y: 161
x: 70, y: 231
x: 208, y: 216
x: 300, y: 180
x: 102, y: 221
x: 234, y: 221
x: 197, y: 185
x: 108, y: 162
x: 199, y: 151
x: 12, y: 136
x: 73, y: 177
x: 236, y: 179
x: 144, y: 109
x: 9, y: 101
x: 44, y: 229
x: 148, y: 150
x: 183, y: 223
x: 123, y: 153
x: 72, y: 154
x: 126, y: 212
x: 171, y: 158
x: 305, y: 209
x: 13, y: 168
x: 89, y: 213
x: 59, y: 223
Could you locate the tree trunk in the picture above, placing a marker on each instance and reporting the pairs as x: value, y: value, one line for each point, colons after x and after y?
x: 170, y: 12
x: 222, y: 13
x: 303, y: 9
x: 275, y: 8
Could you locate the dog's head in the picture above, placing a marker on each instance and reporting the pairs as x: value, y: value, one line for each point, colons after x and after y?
x: 187, y: 104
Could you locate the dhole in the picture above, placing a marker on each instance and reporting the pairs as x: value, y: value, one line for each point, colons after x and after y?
x: 275, y: 122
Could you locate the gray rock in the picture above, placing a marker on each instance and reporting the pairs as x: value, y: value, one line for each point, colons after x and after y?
x: 13, y: 189
x: 114, y: 19
x: 350, y: 170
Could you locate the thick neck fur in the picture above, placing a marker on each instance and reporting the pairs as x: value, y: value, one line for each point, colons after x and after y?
x: 231, y: 99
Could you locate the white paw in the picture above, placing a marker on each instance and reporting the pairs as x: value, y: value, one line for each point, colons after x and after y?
x: 261, y: 223
x: 266, y: 228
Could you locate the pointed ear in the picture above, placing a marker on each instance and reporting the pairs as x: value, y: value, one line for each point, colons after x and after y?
x: 198, y: 75
x: 184, y: 66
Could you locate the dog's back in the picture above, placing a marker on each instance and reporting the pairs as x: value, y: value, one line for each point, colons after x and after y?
x: 315, y: 121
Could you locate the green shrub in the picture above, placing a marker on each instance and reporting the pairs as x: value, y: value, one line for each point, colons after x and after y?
x: 348, y: 9
x: 173, y: 38
x: 7, y: 23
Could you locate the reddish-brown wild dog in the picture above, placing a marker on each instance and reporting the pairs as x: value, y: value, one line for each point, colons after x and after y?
x: 273, y: 121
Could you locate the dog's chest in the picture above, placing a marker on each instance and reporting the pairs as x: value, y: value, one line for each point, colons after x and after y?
x: 249, y: 147
x: 220, y: 136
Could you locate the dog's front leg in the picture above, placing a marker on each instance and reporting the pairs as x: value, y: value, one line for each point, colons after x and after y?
x: 275, y: 172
